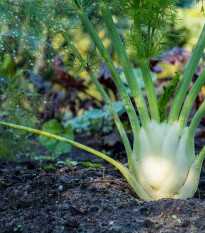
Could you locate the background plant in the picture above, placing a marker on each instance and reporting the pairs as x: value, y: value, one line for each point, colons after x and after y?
x: 19, y: 103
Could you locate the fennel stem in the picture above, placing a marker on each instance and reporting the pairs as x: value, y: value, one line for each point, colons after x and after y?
x: 126, y: 65
x: 120, y: 86
x: 186, y: 79
x: 190, y: 99
x: 196, y: 120
x: 149, y: 86
x: 103, y: 94
x: 144, y: 64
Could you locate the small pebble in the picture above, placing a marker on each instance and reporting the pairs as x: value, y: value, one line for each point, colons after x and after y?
x: 60, y: 188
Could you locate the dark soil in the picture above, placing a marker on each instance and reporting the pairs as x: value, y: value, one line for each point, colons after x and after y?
x: 76, y: 199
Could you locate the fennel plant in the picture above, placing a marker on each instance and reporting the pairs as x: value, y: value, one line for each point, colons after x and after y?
x: 162, y: 161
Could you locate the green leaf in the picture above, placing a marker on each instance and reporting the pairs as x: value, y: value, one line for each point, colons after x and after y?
x: 139, y: 76
x: 90, y: 118
x: 95, y: 113
x: 70, y: 162
x: 61, y: 163
x: 118, y: 106
x: 52, y: 145
x: 69, y: 132
x: 8, y: 67
x: 93, y: 165
x: 79, y: 122
x: 53, y: 127
x: 178, y: 220
x: 46, y: 157
x: 47, y: 167
x: 17, y: 228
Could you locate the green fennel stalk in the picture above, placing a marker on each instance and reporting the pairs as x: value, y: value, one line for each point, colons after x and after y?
x: 126, y: 66
x: 188, y: 104
x: 103, y: 94
x: 187, y: 77
x: 144, y: 63
x: 108, y: 61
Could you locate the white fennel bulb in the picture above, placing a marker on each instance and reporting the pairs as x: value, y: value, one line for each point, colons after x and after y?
x: 164, y: 163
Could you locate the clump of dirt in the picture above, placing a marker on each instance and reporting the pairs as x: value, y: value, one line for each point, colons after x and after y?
x: 88, y: 200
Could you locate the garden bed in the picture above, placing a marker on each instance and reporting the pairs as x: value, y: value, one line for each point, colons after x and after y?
x: 79, y: 199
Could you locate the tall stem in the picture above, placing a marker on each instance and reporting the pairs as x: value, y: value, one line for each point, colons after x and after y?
x: 190, y: 99
x: 151, y: 95
x: 192, y: 130
x: 187, y: 77
x: 196, y: 120
x: 124, y: 96
x: 201, y: 156
x: 103, y: 94
x: 144, y: 63
x: 126, y: 66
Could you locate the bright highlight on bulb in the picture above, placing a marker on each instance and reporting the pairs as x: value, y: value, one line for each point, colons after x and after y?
x: 156, y: 170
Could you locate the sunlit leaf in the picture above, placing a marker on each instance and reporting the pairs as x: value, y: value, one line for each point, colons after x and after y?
x: 53, y: 145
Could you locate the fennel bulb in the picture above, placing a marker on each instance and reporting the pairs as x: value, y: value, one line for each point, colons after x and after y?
x: 164, y: 162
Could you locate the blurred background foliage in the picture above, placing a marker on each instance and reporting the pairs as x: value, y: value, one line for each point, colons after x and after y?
x: 41, y: 80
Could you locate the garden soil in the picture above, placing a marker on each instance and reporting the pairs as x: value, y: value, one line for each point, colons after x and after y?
x: 79, y: 199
